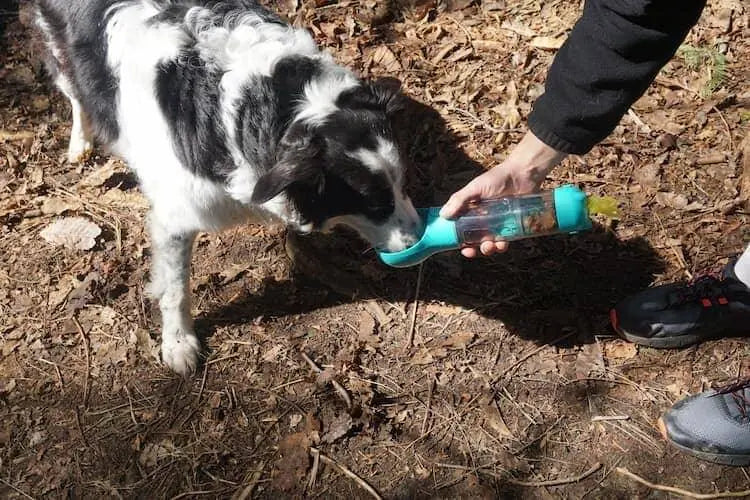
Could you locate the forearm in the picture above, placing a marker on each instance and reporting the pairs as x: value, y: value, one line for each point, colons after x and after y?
x: 610, y: 58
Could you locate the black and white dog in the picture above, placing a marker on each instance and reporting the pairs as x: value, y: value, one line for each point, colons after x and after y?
x: 225, y: 112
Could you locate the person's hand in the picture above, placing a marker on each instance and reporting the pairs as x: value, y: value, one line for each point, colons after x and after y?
x: 521, y: 173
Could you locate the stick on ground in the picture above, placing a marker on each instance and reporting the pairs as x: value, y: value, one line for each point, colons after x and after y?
x: 87, y: 375
x: 413, y: 324
x: 339, y: 388
x: 680, y: 491
x: 361, y: 482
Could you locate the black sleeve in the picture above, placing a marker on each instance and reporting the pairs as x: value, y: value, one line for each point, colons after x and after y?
x: 610, y: 58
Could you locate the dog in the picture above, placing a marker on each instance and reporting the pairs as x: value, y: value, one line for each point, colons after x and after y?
x: 225, y: 113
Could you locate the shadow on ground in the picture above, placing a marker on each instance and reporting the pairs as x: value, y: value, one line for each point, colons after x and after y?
x: 538, y: 289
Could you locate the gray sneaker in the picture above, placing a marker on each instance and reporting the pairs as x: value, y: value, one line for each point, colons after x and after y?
x: 713, y: 425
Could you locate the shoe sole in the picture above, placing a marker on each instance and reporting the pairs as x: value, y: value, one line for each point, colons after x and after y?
x: 657, y: 342
x: 717, y: 458
x: 662, y: 343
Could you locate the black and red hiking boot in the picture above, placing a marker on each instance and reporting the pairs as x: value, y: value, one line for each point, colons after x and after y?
x: 713, y: 425
x: 682, y: 314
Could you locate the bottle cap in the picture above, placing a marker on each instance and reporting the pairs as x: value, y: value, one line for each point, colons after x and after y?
x: 439, y: 235
x: 571, y: 209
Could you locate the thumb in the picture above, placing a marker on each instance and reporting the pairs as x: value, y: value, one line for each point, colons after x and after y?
x: 460, y: 199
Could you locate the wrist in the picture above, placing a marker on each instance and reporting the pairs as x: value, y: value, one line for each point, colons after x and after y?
x: 533, y: 159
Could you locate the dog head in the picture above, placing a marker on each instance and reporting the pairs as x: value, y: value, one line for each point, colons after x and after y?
x: 346, y: 169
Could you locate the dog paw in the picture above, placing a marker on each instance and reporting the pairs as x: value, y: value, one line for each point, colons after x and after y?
x: 181, y: 352
x: 80, y: 151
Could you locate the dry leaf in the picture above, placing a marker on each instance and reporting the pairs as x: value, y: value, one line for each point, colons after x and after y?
x: 518, y: 28
x: 619, y: 349
x: 383, y: 56
x: 443, y: 310
x: 367, y: 329
x: 745, y: 173
x: 232, y: 273
x: 154, y: 452
x: 75, y: 233
x: 677, y: 201
x: 21, y: 135
x: 273, y: 353
x: 294, y: 420
x: 495, y: 420
x: 428, y: 356
x: 337, y: 429
x: 547, y: 42
x: 458, y: 340
x: 64, y: 287
x: 122, y: 199
x: 292, y: 466
x: 144, y: 343
x: 57, y: 206
x: 648, y: 175
x: 100, y: 175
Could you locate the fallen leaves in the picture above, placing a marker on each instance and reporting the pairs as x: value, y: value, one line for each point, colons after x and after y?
x: 100, y: 175
x: 495, y: 420
x: 57, y: 206
x: 75, y: 233
x: 439, y: 350
x: 677, y: 201
x: 620, y: 350
x: 745, y: 171
x: 386, y: 59
x: 547, y: 42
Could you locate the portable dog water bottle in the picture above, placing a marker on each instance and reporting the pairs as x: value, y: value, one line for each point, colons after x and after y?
x: 564, y: 210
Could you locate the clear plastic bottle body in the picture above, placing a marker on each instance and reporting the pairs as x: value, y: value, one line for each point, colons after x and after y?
x: 507, y: 219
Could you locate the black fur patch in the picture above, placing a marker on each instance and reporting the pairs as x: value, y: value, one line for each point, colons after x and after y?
x: 223, y: 12
x: 76, y: 28
x: 267, y: 109
x: 188, y: 94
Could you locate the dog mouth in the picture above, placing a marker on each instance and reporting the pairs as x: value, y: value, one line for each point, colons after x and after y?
x: 402, y: 238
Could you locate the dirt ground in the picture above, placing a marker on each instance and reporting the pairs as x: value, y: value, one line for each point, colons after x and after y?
x: 514, y: 378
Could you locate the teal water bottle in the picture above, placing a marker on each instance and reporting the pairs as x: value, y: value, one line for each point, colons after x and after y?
x: 564, y: 210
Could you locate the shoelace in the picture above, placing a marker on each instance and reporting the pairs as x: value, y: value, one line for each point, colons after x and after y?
x: 737, y: 391
x: 707, y: 285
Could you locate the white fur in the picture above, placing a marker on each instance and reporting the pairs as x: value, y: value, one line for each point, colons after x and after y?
x: 183, y: 203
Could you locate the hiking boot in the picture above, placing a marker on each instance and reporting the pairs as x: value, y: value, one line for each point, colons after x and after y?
x: 682, y: 314
x: 713, y: 425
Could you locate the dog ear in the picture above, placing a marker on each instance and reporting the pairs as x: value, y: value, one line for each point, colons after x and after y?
x: 388, y: 92
x: 299, y: 164
x: 383, y: 94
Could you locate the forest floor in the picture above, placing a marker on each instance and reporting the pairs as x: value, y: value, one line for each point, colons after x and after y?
x: 514, y: 377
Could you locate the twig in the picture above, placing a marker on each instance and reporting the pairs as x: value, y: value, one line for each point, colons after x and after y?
x: 361, y: 482
x: 193, y: 493
x: 247, y: 491
x: 79, y: 424
x: 532, y: 353
x: 413, y: 325
x: 20, y: 492
x: 557, y: 482
x: 535, y: 484
x: 606, y: 418
x: 314, y: 471
x: 428, y: 410
x: 203, y: 383
x: 59, y: 374
x: 726, y: 126
x: 339, y: 388
x: 88, y: 362
x: 130, y: 404
x: 679, y: 491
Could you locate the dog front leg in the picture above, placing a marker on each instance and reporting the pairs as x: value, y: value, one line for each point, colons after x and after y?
x: 170, y: 284
x: 80, y: 145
